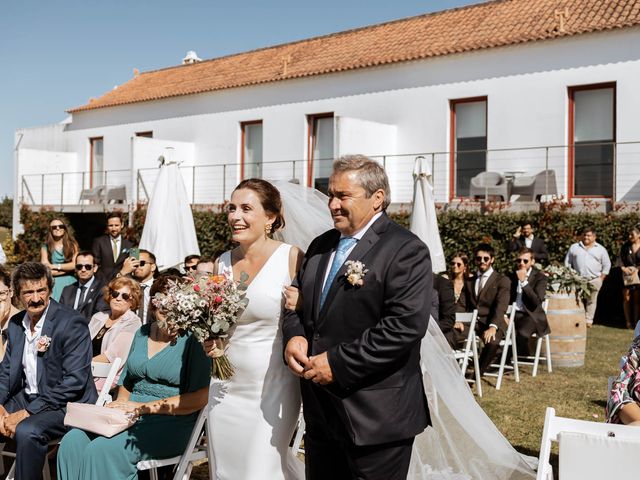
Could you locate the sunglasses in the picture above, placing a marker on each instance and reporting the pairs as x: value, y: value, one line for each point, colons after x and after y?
x: 522, y: 260
x: 142, y: 263
x: 190, y: 267
x: 115, y: 294
x: 482, y: 259
x: 86, y: 266
x: 58, y: 227
x: 457, y: 264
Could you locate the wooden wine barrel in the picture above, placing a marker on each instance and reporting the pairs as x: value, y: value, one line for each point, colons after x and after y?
x: 568, y: 330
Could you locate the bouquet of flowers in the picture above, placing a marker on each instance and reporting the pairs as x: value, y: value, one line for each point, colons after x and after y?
x: 563, y: 279
x: 209, y: 308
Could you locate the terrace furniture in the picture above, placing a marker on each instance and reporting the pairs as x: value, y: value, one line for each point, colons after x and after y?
x: 117, y: 194
x: 487, y: 184
x: 534, y: 186
x: 92, y: 195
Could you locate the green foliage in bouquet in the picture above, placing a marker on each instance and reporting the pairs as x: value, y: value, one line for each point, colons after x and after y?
x: 563, y: 279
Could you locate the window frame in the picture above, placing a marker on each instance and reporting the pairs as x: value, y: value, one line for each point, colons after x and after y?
x: 243, y: 140
x: 91, y: 152
x: 311, y: 142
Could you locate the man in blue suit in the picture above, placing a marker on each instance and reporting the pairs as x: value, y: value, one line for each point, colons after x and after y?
x: 47, y: 364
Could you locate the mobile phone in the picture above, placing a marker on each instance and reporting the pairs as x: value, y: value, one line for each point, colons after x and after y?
x: 135, y: 253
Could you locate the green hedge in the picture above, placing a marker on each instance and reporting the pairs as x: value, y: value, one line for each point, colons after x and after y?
x: 460, y: 230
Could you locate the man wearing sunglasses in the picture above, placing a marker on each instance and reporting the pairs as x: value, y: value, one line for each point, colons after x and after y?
x: 190, y: 264
x: 488, y: 292
x: 85, y: 295
x: 528, y: 289
x: 144, y: 270
x: 46, y: 365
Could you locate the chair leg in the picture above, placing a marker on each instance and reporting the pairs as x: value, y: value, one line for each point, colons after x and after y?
x: 547, y: 344
x: 153, y: 474
x: 536, y: 359
x: 503, y: 361
x: 514, y: 356
x: 476, y: 368
x: 12, y: 472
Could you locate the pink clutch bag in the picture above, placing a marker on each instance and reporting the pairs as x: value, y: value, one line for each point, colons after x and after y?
x: 100, y: 420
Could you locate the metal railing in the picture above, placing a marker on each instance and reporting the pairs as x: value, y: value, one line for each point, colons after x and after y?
x: 213, y: 183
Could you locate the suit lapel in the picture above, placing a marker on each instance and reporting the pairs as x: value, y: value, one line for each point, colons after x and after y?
x: 487, y: 284
x: 323, y: 265
x: 47, y: 330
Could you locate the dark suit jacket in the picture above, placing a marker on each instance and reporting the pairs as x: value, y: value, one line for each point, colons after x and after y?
x: 493, y: 301
x: 103, y: 254
x: 537, y: 245
x: 533, y: 294
x: 64, y: 370
x: 371, y: 334
x: 445, y: 313
x: 93, y: 299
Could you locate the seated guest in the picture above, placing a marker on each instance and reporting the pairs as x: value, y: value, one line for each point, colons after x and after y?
x: 445, y: 311
x: 165, y: 382
x: 47, y: 364
x: 205, y: 266
x: 458, y: 274
x: 190, y: 263
x: 7, y: 310
x: 624, y: 401
x: 488, y: 292
x: 112, y: 333
x: 528, y: 289
x: 111, y: 250
x: 524, y: 238
x: 144, y: 270
x: 85, y: 295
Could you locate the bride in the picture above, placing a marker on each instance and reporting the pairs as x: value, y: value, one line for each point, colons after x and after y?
x: 462, y: 443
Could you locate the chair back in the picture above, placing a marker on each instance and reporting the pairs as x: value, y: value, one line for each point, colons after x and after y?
x: 488, y: 179
x: 108, y: 371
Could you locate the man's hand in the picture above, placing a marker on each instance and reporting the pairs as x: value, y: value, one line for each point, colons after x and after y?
x: 518, y: 232
x: 11, y: 422
x: 489, y: 334
x: 458, y: 326
x: 318, y: 369
x: 292, y: 298
x: 129, y: 265
x: 521, y: 273
x: 603, y: 276
x: 295, y: 354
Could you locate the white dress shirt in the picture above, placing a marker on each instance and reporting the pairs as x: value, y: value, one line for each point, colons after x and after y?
x: 528, y: 241
x: 358, y: 236
x: 482, y: 277
x: 588, y: 262
x: 146, y: 298
x: 30, y: 351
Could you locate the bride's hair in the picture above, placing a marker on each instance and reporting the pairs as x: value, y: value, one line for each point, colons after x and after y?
x: 269, y: 198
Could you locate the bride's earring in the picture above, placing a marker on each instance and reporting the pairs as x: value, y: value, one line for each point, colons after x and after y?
x: 267, y: 230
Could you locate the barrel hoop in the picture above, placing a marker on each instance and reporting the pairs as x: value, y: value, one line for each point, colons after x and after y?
x: 576, y: 311
x: 566, y: 338
x: 567, y: 354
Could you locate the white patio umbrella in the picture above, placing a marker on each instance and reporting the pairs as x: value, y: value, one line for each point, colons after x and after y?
x: 168, y: 230
x: 424, y: 222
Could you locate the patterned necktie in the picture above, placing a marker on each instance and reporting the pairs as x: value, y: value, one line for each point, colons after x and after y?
x: 115, y: 249
x: 344, y: 245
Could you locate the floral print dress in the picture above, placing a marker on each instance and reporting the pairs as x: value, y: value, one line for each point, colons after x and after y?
x: 625, y: 388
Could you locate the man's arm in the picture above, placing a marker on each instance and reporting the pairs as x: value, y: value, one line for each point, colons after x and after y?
x: 501, y: 303
x: 405, y: 316
x: 606, y: 262
x: 533, y: 295
x: 75, y: 364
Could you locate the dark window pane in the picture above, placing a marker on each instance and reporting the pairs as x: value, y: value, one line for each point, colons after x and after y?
x: 593, y: 168
x: 471, y: 159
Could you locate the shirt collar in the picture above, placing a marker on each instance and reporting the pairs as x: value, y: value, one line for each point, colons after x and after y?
x: 87, y: 284
x: 485, y: 274
x: 26, y: 320
x: 360, y: 233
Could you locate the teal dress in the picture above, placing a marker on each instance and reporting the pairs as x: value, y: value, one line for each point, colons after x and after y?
x: 63, y: 280
x: 176, y: 369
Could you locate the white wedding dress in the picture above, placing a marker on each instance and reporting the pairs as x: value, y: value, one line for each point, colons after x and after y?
x: 253, y: 415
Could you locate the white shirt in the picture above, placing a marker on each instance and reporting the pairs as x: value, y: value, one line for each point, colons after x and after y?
x: 30, y: 351
x: 588, y: 262
x: 528, y: 241
x: 482, y: 276
x: 79, y: 300
x: 358, y: 236
x: 521, y: 285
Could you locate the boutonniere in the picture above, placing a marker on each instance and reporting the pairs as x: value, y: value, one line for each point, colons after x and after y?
x: 355, y: 272
x: 43, y: 343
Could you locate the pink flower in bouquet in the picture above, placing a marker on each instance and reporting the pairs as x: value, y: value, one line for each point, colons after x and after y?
x: 218, y: 299
x: 42, y: 345
x: 196, y: 287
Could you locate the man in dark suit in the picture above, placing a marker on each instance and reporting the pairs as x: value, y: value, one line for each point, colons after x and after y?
x: 488, y: 292
x: 443, y: 308
x: 111, y: 250
x: 366, y: 291
x: 85, y: 296
x: 524, y: 238
x: 528, y: 289
x: 47, y: 364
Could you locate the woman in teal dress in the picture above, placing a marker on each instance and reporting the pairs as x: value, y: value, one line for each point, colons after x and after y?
x: 59, y: 253
x: 166, y: 382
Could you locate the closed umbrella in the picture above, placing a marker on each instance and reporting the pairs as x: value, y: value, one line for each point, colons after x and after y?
x: 169, y: 232
x: 424, y: 222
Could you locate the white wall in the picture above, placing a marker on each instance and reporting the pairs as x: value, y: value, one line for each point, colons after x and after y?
x: 526, y: 86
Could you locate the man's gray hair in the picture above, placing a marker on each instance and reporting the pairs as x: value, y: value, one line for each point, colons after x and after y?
x: 371, y: 175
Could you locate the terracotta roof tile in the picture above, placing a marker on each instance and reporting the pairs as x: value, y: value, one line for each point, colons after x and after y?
x: 486, y: 25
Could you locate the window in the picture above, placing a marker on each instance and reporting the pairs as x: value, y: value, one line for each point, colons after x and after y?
x: 320, y: 144
x: 148, y: 134
x: 592, y: 137
x: 96, y: 166
x: 251, y: 159
x: 468, y: 143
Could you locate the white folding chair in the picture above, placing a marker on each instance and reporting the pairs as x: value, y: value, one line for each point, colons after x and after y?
x: 297, y: 439
x: 509, y: 342
x: 195, y: 451
x: 108, y: 371
x: 470, y: 350
x: 535, y: 360
x: 588, y: 450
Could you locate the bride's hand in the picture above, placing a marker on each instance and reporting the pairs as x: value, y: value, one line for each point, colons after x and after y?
x: 292, y: 298
x: 215, y: 347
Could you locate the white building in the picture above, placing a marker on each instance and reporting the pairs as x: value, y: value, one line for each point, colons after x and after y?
x: 516, y: 87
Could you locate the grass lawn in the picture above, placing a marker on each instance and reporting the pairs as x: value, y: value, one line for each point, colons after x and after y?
x: 518, y: 409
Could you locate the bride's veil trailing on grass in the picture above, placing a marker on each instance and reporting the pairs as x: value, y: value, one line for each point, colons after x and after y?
x: 463, y: 443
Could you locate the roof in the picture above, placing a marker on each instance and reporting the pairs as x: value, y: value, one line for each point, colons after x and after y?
x: 475, y: 27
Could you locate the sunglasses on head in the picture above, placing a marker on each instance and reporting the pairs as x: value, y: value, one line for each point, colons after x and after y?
x: 457, y: 264
x: 522, y: 260
x: 480, y: 258
x: 115, y: 294
x: 86, y: 266
x: 58, y: 227
x: 191, y: 267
